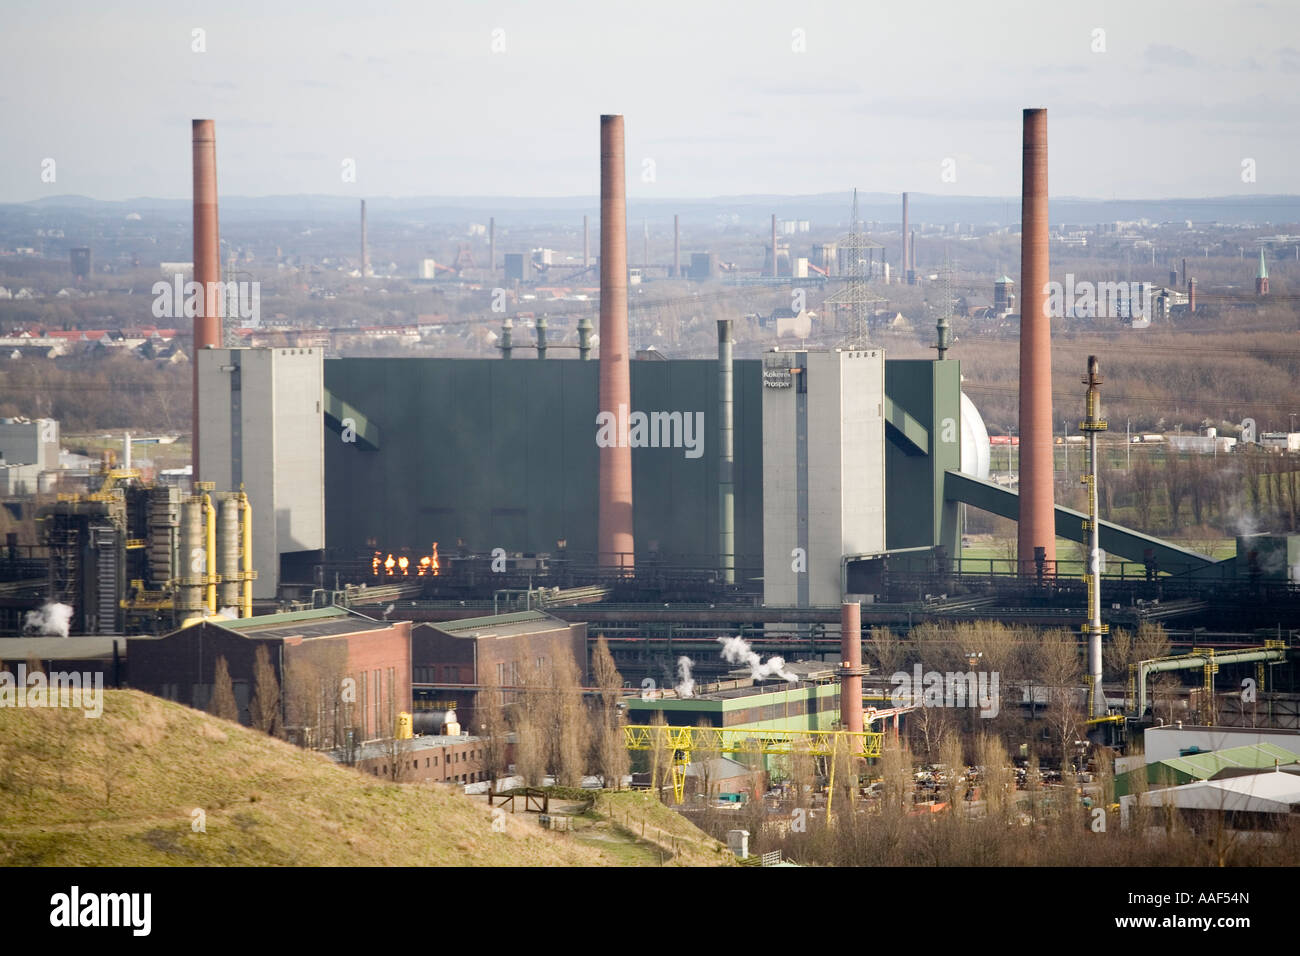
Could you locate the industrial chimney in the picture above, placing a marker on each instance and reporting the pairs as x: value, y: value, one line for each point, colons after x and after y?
x: 207, y: 259
x: 726, y: 462
x: 775, y: 271
x: 365, y: 248
x: 851, y: 666
x: 677, y: 246
x: 1037, y: 525
x: 614, y: 544
x: 907, y: 258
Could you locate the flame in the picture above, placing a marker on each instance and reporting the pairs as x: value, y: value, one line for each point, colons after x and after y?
x: 401, y: 566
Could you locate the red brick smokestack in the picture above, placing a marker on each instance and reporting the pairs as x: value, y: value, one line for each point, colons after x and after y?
x: 207, y: 258
x: 851, y: 666
x: 907, y: 254
x: 614, y: 478
x: 775, y: 271
x: 1037, y: 528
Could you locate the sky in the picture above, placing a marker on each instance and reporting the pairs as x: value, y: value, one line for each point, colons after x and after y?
x: 721, y: 98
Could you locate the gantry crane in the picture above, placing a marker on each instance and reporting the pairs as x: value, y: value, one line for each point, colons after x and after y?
x: 747, y: 740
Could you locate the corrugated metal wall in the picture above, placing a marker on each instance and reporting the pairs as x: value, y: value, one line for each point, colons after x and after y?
x: 503, y: 454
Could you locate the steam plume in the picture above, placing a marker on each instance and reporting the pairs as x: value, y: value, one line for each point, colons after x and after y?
x: 736, y: 650
x: 52, y: 619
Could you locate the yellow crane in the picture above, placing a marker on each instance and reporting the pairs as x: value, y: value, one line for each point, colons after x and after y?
x: 747, y: 740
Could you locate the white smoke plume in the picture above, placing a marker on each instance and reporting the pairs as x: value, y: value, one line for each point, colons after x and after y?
x: 52, y: 619
x: 736, y: 650
x: 685, y: 684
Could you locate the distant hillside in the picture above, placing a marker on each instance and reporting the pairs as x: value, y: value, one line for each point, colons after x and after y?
x: 122, y: 789
x: 824, y: 209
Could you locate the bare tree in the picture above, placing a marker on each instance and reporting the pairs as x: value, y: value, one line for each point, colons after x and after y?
x: 1177, y: 484
x: 264, y: 708
x: 997, y: 782
x: 610, y: 749
x: 1061, y: 673
x: 223, y: 703
x: 887, y: 649
x: 493, y: 729
x: 397, y: 753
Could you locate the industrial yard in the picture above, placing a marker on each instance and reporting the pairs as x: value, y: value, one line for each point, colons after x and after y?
x: 851, y: 521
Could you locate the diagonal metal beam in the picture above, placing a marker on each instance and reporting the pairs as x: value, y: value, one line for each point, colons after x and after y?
x: 911, y: 434
x: 339, y: 415
x: 1115, y: 539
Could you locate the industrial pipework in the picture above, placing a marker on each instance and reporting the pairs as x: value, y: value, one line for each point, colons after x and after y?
x: 1091, y: 425
x: 249, y: 575
x: 614, y: 535
x: 1036, y: 532
x: 1206, y: 659
x: 210, y: 575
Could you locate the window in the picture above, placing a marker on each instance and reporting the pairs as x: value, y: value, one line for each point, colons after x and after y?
x: 392, y: 700
x: 365, y: 713
x: 426, y: 762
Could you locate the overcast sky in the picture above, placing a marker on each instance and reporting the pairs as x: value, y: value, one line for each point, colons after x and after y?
x: 714, y: 93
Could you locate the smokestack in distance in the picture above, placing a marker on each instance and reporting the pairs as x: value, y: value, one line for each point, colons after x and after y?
x: 851, y: 666
x: 207, y: 259
x: 907, y: 230
x: 614, y: 542
x: 365, y: 248
x: 1037, y: 525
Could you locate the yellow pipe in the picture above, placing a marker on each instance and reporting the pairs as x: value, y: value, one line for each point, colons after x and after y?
x: 246, y: 519
x: 210, y: 550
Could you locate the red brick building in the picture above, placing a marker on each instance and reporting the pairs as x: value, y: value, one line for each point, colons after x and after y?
x: 449, y: 659
x: 455, y: 760
x: 339, y: 671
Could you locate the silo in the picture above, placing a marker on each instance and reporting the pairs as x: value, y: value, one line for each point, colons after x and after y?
x: 189, y: 596
x: 228, y: 533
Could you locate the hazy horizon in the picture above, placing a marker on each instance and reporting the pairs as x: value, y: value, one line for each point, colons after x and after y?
x: 501, y: 100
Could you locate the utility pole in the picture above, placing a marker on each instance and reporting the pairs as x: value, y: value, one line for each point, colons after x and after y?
x: 1091, y: 425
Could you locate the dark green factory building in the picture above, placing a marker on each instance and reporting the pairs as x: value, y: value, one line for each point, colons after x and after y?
x: 489, y: 453
x: 499, y: 453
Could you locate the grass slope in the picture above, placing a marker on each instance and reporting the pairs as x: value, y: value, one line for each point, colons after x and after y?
x: 122, y: 790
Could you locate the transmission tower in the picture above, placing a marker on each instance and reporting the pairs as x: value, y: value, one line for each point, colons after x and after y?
x: 855, y: 299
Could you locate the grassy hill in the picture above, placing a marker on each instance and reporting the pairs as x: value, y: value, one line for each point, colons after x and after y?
x: 123, y: 790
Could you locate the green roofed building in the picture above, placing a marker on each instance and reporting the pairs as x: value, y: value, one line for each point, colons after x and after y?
x: 1210, y: 765
x: 811, y: 703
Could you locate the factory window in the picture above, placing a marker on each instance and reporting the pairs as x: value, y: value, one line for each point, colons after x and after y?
x: 541, y: 663
x: 392, y: 698
x: 365, y: 713
x: 426, y: 762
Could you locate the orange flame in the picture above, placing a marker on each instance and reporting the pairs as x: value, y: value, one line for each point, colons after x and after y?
x: 425, y: 564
